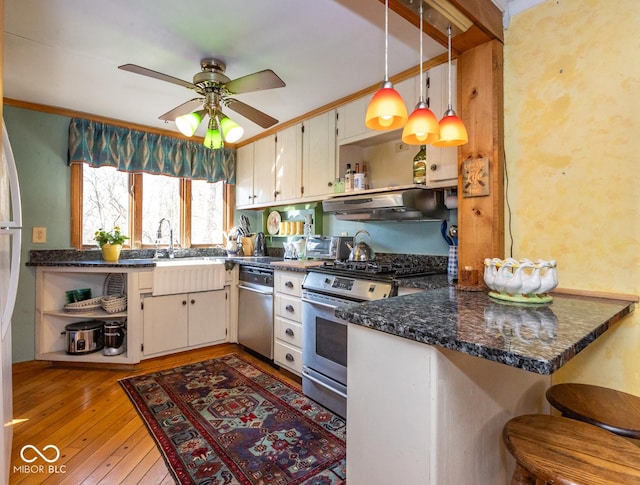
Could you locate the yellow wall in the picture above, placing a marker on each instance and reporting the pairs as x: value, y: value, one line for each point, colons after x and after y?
x: 572, y: 141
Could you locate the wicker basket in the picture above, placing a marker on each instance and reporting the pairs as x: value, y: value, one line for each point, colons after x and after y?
x: 115, y: 284
x: 84, y: 306
x: 114, y: 303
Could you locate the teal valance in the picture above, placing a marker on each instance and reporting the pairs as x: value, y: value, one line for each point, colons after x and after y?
x: 100, y: 144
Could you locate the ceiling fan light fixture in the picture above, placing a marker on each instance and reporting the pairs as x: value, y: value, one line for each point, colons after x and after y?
x: 213, y: 139
x: 231, y: 130
x: 188, y: 124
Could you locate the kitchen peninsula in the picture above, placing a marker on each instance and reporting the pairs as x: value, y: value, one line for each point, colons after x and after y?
x: 434, y: 376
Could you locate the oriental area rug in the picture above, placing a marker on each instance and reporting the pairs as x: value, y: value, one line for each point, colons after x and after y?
x: 223, y: 421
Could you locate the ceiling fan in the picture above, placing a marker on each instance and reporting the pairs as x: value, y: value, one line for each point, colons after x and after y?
x: 216, y: 90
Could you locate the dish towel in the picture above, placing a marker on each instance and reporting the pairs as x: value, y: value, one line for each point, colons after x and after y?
x: 452, y: 266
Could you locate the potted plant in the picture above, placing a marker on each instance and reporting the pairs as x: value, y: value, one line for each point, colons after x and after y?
x: 110, y: 242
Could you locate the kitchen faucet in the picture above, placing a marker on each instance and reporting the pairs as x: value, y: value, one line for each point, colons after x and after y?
x: 159, y: 236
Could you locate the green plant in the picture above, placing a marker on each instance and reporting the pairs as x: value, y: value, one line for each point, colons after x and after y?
x: 113, y: 237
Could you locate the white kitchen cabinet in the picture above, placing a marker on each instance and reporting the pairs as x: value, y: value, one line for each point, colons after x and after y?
x: 288, y: 164
x: 255, y: 173
x: 182, y: 321
x: 442, y: 163
x: 287, y: 345
x: 319, y: 155
x: 51, y: 317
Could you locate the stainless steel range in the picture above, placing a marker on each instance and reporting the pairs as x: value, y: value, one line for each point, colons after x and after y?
x: 324, y: 336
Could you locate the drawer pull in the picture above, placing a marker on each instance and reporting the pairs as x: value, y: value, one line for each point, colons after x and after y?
x: 184, y: 302
x: 193, y: 301
x: 289, y: 284
x: 289, y: 332
x: 289, y: 357
x: 289, y: 308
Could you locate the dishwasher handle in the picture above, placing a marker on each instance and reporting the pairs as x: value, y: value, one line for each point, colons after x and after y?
x: 254, y: 290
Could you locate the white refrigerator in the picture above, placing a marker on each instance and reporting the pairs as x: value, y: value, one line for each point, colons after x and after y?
x: 10, y: 239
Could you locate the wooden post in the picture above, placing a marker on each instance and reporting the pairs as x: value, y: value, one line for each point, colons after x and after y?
x: 481, y: 107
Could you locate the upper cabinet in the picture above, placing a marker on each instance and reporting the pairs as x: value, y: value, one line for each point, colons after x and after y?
x: 319, y: 155
x: 442, y: 163
x: 288, y: 171
x: 255, y: 173
x: 301, y: 162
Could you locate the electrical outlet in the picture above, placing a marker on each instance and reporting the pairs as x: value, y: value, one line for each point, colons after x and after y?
x: 401, y: 147
x: 39, y: 235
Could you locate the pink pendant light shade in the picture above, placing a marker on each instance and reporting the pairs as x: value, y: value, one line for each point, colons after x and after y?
x: 386, y: 109
x: 422, y: 127
x: 452, y: 131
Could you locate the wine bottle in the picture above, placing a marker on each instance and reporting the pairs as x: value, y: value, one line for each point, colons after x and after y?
x: 420, y: 166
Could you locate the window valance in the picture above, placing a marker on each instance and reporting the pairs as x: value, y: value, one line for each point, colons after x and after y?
x: 100, y: 144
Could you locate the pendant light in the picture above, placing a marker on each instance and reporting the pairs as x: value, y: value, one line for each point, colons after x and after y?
x: 452, y: 129
x: 422, y: 127
x: 213, y: 138
x: 386, y: 109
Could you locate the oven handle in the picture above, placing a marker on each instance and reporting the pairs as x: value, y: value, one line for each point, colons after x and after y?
x: 322, y: 384
x: 317, y: 303
x: 242, y: 287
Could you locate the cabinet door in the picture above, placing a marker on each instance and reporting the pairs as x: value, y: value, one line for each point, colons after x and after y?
x: 208, y: 317
x: 244, y: 175
x: 264, y: 178
x: 350, y: 119
x: 289, y: 163
x: 319, y: 154
x: 165, y: 323
x: 442, y: 163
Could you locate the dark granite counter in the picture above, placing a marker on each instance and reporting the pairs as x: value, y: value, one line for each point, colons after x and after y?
x: 540, y: 338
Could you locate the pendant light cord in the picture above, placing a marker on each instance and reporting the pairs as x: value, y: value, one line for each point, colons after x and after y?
x: 449, y: 51
x: 386, y: 40
x: 421, y: 85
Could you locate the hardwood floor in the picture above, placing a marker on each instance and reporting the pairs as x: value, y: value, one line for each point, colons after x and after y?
x: 85, y: 413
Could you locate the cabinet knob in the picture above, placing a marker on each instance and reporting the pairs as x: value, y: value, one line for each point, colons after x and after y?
x: 289, y: 357
x: 184, y: 302
x: 289, y: 284
x: 329, y: 184
x: 434, y: 167
x: 193, y: 301
x: 289, y: 332
x: 275, y: 194
x: 289, y: 308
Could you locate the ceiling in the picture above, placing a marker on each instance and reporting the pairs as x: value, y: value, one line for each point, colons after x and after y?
x: 65, y: 53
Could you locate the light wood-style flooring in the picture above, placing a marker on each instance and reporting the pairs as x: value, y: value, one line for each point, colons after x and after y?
x: 85, y: 413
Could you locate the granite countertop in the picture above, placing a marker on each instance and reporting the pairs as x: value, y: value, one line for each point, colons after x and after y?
x: 536, y: 338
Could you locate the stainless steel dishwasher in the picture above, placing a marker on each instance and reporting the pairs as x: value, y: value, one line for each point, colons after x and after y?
x: 255, y: 309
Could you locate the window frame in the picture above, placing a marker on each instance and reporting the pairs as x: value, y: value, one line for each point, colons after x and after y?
x: 135, y: 211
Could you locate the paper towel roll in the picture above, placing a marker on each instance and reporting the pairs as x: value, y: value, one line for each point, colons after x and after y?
x: 451, y: 201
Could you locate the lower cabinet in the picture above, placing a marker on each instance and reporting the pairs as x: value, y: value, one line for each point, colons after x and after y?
x: 287, y: 345
x: 182, y: 321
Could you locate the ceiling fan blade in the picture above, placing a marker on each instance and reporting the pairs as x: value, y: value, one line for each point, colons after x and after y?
x: 156, y: 75
x: 257, y: 116
x: 183, y: 109
x: 257, y: 81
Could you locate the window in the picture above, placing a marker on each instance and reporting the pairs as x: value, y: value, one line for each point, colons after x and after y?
x: 207, y: 204
x: 104, y: 197
x: 105, y: 201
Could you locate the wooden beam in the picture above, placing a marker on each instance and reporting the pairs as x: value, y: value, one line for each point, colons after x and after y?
x: 480, y: 105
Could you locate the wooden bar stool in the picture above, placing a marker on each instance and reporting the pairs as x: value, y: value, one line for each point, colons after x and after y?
x: 615, y: 411
x: 566, y: 451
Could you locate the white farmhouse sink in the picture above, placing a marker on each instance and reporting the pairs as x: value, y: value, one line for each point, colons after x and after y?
x: 171, y: 276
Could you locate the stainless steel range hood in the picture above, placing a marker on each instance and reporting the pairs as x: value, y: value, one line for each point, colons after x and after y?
x: 399, y: 204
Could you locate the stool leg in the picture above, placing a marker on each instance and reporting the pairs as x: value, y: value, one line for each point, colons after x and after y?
x: 522, y: 476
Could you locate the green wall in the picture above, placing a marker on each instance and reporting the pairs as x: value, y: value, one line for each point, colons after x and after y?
x: 39, y: 144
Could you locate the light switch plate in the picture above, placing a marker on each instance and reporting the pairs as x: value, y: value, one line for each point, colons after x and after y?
x: 39, y: 235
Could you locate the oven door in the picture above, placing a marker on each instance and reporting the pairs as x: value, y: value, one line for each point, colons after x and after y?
x: 324, y: 351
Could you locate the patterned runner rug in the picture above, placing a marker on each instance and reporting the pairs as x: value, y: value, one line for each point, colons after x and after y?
x: 223, y: 421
